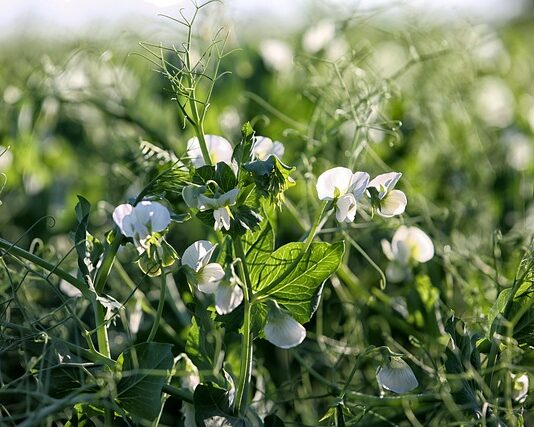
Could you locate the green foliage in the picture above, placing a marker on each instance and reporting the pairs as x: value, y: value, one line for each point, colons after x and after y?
x: 143, y: 370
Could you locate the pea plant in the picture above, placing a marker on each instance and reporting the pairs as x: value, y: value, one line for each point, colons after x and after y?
x: 241, y: 288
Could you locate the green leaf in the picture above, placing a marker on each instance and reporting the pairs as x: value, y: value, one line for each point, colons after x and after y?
x: 144, y: 368
x: 243, y: 150
x: 295, y: 279
x: 258, y: 246
x: 214, y: 403
x: 199, y: 345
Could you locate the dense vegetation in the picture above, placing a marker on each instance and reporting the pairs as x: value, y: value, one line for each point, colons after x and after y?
x: 450, y: 107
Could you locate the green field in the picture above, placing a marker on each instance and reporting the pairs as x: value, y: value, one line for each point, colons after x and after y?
x: 415, y: 314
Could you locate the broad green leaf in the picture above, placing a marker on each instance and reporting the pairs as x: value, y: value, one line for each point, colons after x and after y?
x: 212, y: 407
x: 144, y: 368
x: 295, y: 280
x: 273, y: 421
x: 200, y: 345
x: 258, y: 246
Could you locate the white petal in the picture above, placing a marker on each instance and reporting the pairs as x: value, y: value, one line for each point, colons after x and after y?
x: 338, y: 178
x: 191, y: 193
x: 119, y: 214
x: 229, y: 198
x: 228, y: 296
x: 422, y: 248
x: 385, y: 182
x: 394, y: 203
x: 396, y: 376
x: 359, y: 183
x: 209, y: 277
x: 282, y: 330
x: 198, y: 254
x: 386, y: 248
x: 520, y: 387
x: 220, y: 150
x: 396, y: 272
x: 346, y: 207
x: 152, y: 215
x: 263, y: 147
x: 222, y: 219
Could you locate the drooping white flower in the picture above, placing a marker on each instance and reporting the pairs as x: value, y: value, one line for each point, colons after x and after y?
x: 219, y: 149
x: 344, y: 186
x: 141, y: 221
x: 210, y: 277
x: 409, y: 246
x: 190, y: 378
x: 263, y: 147
x: 281, y: 329
x: 391, y: 202
x: 221, y: 207
x: 197, y: 257
x: 520, y: 387
x: 228, y: 296
x: 396, y: 375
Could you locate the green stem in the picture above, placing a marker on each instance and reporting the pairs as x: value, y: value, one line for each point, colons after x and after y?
x: 11, y: 248
x: 241, y: 403
x: 161, y: 303
x: 109, y: 257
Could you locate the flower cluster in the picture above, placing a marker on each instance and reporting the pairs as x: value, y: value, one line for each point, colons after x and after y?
x: 346, y: 188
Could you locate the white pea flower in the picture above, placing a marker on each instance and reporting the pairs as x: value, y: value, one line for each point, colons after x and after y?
x: 344, y: 186
x: 409, y: 246
x: 396, y: 375
x: 197, y: 257
x: 141, y: 221
x: 221, y: 207
x: 263, y: 147
x: 209, y: 276
x: 390, y: 202
x: 520, y: 387
x: 190, y: 378
x: 219, y: 149
x: 281, y: 329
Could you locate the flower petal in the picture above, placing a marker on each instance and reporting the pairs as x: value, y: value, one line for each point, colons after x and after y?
x: 359, y: 183
x: 222, y: 219
x: 346, y: 207
x: 385, y: 182
x: 282, y: 330
x: 198, y: 254
x: 396, y: 376
x: 263, y: 147
x: 119, y: 214
x: 229, y: 198
x: 394, y: 203
x: 386, y: 248
x: 422, y: 248
x: 228, y: 296
x: 333, y: 183
x: 153, y: 215
x: 220, y: 150
x: 209, y: 276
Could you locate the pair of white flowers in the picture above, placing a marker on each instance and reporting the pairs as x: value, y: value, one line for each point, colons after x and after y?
x: 220, y: 150
x: 409, y: 246
x: 346, y: 189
